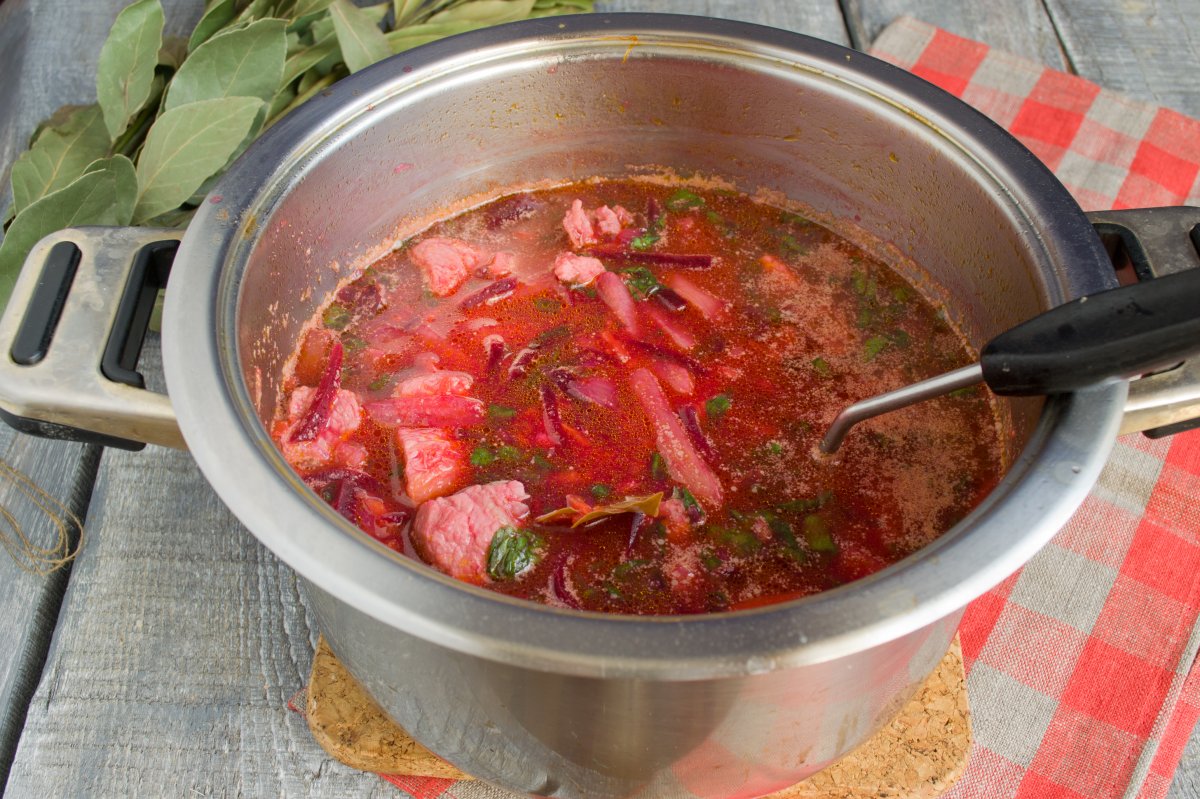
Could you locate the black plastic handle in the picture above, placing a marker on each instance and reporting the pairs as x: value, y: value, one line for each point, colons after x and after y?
x: 1127, y: 331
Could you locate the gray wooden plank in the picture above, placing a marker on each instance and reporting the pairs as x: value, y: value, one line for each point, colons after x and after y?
x: 818, y: 18
x: 37, y: 81
x: 1149, y: 49
x: 1019, y: 26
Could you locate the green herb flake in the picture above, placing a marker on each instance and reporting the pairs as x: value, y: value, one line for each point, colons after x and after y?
x: 482, y: 456
x: 822, y: 367
x: 741, y: 541
x: 500, y: 413
x: 336, y: 316
x: 963, y: 393
x: 658, y: 467
x: 816, y: 533
x: 900, y: 293
x: 865, y: 318
x: 380, y: 383
x: 508, y: 453
x: 807, y: 505
x: 717, y: 406
x: 511, y: 552
x: 683, y: 200
x: 353, y: 344
x: 626, y: 569
x: 873, y: 346
x: 547, y: 304
x: 641, y: 282
x: 899, y: 337
x: 644, y: 242
x: 601, y: 491
x: 690, y: 503
x: 709, y: 560
x: 774, y: 448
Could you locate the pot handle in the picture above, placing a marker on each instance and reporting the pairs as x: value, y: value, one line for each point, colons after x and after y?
x: 73, y: 331
x: 1146, y: 243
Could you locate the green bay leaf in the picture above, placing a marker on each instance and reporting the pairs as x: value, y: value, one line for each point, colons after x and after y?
x: 59, y: 156
x: 186, y: 146
x: 216, y: 16
x: 403, y: 11
x: 125, y: 71
x: 359, y: 36
x: 247, y: 62
x: 299, y: 63
x: 102, y: 196
x: 490, y: 12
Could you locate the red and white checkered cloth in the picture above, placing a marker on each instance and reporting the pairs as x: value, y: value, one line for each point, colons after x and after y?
x: 1079, y: 667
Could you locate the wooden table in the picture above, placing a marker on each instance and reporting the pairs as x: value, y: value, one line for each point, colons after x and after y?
x: 161, y: 664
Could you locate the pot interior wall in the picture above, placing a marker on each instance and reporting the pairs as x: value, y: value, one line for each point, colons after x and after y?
x: 504, y: 119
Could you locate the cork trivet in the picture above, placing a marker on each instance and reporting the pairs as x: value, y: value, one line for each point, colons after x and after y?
x: 919, y: 755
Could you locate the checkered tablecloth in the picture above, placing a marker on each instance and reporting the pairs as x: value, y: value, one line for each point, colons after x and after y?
x: 1080, y: 666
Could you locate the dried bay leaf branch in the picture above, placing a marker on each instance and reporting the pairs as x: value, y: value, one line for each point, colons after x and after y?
x: 125, y: 71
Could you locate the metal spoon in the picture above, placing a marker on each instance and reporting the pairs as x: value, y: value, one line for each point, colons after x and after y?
x: 1113, y: 335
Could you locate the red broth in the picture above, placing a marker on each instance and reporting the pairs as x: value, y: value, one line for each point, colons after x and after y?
x: 482, y: 388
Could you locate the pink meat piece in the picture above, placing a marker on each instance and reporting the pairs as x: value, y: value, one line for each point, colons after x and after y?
x: 435, y: 462
x: 578, y: 226
x: 453, y: 533
x: 446, y: 263
x: 440, y: 410
x: 607, y: 221
x: 685, y: 465
x: 576, y: 270
x: 345, y: 414
x: 428, y: 384
x: 623, y: 216
x: 350, y: 454
x: 502, y: 264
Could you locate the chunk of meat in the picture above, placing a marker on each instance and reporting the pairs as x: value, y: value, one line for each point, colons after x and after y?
x: 317, y: 452
x: 435, y: 462
x: 675, y: 519
x: 440, y: 410
x: 577, y: 270
x: 607, y: 221
x: 578, y: 226
x: 446, y: 263
x: 453, y: 533
x: 428, y: 384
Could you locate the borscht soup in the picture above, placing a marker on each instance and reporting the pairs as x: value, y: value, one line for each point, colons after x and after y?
x: 607, y: 396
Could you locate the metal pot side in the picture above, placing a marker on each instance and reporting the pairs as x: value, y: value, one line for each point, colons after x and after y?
x: 562, y: 703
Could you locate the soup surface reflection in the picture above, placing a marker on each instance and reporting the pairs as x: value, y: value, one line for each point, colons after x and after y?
x: 607, y: 396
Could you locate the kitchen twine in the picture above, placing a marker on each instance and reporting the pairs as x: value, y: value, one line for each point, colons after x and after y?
x: 66, y: 528
x: 1080, y: 665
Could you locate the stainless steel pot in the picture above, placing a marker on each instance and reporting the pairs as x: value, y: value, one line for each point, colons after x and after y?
x: 541, y: 700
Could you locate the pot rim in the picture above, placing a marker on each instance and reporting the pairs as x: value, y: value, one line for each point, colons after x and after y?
x: 1049, y: 479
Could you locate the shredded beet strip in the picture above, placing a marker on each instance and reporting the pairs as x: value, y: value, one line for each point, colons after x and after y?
x: 684, y: 463
x: 322, y: 400
x: 708, y: 304
x: 666, y: 354
x: 635, y: 531
x: 680, y: 259
x: 495, y: 291
x: 522, y: 361
x: 691, y: 423
x: 551, y: 418
x: 670, y: 300
x: 616, y: 296
x: 653, y: 210
x: 599, y: 390
x: 674, y: 330
x: 560, y: 376
x: 495, y: 351
x: 558, y: 585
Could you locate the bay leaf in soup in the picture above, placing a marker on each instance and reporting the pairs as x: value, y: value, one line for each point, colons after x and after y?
x: 59, y: 156
x: 186, y: 146
x: 360, y: 38
x: 247, y: 62
x: 125, y: 71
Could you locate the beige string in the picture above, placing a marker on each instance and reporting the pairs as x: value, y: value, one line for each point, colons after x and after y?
x: 29, y: 555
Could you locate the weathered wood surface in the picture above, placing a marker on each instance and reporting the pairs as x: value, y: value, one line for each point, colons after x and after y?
x: 180, y: 638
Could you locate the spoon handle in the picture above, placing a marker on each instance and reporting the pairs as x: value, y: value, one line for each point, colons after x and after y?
x: 1120, y: 333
